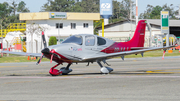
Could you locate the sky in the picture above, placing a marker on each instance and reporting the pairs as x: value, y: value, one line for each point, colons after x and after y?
x: 35, y: 5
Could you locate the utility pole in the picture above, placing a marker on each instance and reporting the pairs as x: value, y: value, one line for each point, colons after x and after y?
x: 136, y: 12
x: 131, y: 15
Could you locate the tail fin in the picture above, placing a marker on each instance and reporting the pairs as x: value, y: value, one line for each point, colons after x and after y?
x: 138, y: 38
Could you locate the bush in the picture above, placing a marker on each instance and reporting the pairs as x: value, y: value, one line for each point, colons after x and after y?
x: 52, y: 40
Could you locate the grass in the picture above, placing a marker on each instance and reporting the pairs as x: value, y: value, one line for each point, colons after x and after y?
x: 15, y: 58
x: 158, y: 53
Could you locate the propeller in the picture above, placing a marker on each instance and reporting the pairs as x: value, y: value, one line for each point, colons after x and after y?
x: 45, y: 50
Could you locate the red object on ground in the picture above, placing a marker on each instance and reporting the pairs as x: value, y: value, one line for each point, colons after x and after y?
x: 28, y: 58
x: 178, y: 47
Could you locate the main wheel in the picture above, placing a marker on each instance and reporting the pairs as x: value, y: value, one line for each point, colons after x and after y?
x: 65, y: 71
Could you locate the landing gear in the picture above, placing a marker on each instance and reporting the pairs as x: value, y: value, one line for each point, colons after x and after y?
x: 104, y: 70
x: 66, y: 70
x: 63, y: 70
x: 55, y: 72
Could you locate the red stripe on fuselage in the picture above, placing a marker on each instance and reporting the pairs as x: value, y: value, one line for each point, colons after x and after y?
x: 56, y: 59
x: 117, y: 47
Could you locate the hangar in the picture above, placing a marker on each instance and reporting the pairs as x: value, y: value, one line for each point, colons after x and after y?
x: 124, y: 30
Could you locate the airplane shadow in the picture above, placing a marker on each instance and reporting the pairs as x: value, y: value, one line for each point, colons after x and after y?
x: 144, y: 72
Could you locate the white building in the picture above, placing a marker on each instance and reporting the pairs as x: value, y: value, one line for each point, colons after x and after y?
x: 58, y: 24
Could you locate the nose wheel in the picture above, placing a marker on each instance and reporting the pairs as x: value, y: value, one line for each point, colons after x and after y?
x: 55, y: 72
x: 63, y: 70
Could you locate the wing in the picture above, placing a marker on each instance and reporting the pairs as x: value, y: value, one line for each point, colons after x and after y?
x: 23, y: 53
x: 117, y: 54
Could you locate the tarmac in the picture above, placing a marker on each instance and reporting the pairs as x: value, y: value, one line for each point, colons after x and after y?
x: 134, y: 79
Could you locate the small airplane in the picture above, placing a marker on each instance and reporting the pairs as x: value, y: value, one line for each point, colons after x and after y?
x: 91, y: 48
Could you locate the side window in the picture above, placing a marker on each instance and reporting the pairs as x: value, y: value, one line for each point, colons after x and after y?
x: 90, y: 41
x: 101, y: 41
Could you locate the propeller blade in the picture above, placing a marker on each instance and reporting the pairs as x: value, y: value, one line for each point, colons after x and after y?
x: 39, y: 61
x: 51, y: 58
x: 44, y: 40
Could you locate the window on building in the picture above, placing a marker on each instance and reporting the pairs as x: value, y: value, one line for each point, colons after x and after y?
x: 85, y: 25
x: 59, y: 25
x: 73, y: 25
x: 90, y: 41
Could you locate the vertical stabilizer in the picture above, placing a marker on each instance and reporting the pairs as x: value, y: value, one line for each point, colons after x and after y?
x: 136, y: 41
x: 138, y: 38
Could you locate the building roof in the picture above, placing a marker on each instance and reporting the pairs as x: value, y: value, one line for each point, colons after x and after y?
x: 59, y: 15
x: 172, y: 23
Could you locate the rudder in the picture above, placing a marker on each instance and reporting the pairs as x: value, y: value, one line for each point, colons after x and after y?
x: 138, y: 38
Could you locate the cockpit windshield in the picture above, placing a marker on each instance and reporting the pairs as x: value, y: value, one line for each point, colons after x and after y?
x: 74, y: 39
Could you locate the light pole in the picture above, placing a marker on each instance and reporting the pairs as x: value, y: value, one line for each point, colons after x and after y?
x: 59, y: 31
x: 136, y: 12
x: 59, y: 27
x: 131, y: 15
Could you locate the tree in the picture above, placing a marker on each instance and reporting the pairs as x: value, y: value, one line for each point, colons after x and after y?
x: 170, y: 8
x: 22, y: 8
x: 90, y: 6
x: 58, y: 5
x: 14, y: 6
x: 121, y: 10
x: 4, y: 12
x: 52, y: 40
x: 71, y: 6
x: 155, y: 12
x: 8, y: 12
